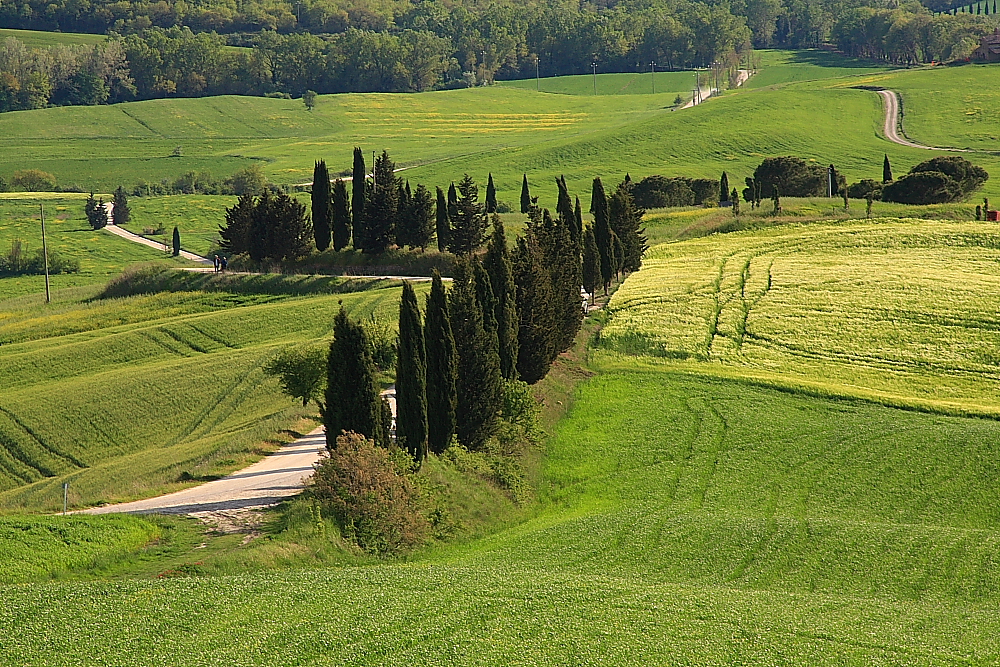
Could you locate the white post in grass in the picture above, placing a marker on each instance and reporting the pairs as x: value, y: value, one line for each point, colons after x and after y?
x: 45, y: 254
x: 65, y: 496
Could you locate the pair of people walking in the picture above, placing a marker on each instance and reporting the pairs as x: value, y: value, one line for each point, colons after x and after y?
x: 221, y: 263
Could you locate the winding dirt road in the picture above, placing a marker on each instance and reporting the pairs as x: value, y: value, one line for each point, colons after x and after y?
x: 274, y: 478
x: 891, y: 125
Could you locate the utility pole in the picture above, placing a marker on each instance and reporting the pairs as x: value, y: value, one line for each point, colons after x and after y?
x: 65, y: 496
x: 829, y: 181
x: 594, y: 66
x: 652, y: 74
x: 45, y: 255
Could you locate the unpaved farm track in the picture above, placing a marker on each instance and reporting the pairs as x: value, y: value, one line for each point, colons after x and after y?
x: 891, y: 125
x: 265, y: 483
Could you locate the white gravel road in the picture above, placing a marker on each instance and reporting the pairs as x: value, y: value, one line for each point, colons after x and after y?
x: 890, y: 127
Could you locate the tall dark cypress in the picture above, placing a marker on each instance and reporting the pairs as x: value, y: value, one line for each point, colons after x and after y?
x: 497, y: 263
x: 480, y: 393
x: 602, y: 232
x: 442, y: 368
x: 352, y: 396
x: 405, y: 222
x: 321, y: 205
x: 341, y: 215
x: 525, y: 195
x: 422, y: 218
x: 578, y: 215
x: 452, y: 202
x: 358, y: 197
x: 886, y: 170
x: 563, y: 262
x: 536, y: 320
x: 626, y: 221
x: 591, y: 261
x: 491, y: 196
x: 564, y: 208
x: 724, y: 188
x: 487, y: 301
x: 443, y: 224
x: 381, y: 206
x: 411, y: 378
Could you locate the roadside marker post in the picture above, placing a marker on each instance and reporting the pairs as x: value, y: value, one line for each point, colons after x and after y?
x: 65, y: 496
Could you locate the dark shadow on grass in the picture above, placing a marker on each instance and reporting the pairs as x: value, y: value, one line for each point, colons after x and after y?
x: 823, y: 58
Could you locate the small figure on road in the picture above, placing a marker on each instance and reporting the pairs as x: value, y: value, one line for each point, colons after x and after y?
x: 216, y: 262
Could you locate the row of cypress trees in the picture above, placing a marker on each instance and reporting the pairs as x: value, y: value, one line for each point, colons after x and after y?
x: 506, y: 317
x: 383, y: 210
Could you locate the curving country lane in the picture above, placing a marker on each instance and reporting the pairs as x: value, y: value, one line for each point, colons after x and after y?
x: 891, y: 125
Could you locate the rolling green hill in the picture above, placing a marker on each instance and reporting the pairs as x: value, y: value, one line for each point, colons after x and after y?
x: 120, y: 397
x: 642, y: 83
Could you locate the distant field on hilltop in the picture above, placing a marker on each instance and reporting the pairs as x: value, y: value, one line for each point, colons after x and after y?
x: 780, y: 67
x: 640, y: 83
x: 41, y: 39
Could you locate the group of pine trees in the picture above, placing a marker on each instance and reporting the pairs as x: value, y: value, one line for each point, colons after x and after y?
x: 507, y: 317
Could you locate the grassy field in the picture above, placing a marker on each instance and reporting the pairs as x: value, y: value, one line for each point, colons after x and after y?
x: 506, y: 129
x: 684, y: 521
x: 41, y: 547
x: 41, y: 39
x: 197, y: 217
x: 900, y: 311
x: 121, y: 397
x: 642, y: 83
x: 101, y: 255
x: 781, y: 67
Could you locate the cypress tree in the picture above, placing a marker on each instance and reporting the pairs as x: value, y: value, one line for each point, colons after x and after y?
x: 563, y: 262
x: 321, y: 205
x: 405, y: 227
x: 411, y: 378
x: 352, y: 396
x: 480, y: 393
x: 602, y: 232
x: 724, y: 188
x: 341, y: 216
x: 381, y: 206
x: 487, y: 301
x: 491, y: 195
x: 525, y: 195
x: 564, y: 207
x: 591, y: 262
x: 452, y: 203
x: 421, y: 218
x: 120, y: 212
x: 886, y: 170
x: 234, y: 236
x: 536, y: 320
x: 578, y: 214
x: 498, y: 264
x: 618, y: 254
x: 177, y: 241
x: 625, y: 220
x: 358, y: 197
x: 442, y: 368
x: 468, y: 224
x: 442, y: 222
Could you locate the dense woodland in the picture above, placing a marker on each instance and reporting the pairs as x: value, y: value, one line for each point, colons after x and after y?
x: 167, y: 49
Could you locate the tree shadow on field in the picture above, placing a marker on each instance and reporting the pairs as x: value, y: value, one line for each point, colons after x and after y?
x: 823, y: 58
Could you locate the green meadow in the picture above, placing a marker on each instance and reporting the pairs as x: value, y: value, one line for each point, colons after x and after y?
x: 781, y: 447
x: 640, y: 83
x: 101, y: 254
x: 39, y: 39
x: 127, y: 398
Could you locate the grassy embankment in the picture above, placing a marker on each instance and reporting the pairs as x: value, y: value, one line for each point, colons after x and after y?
x: 687, y: 514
